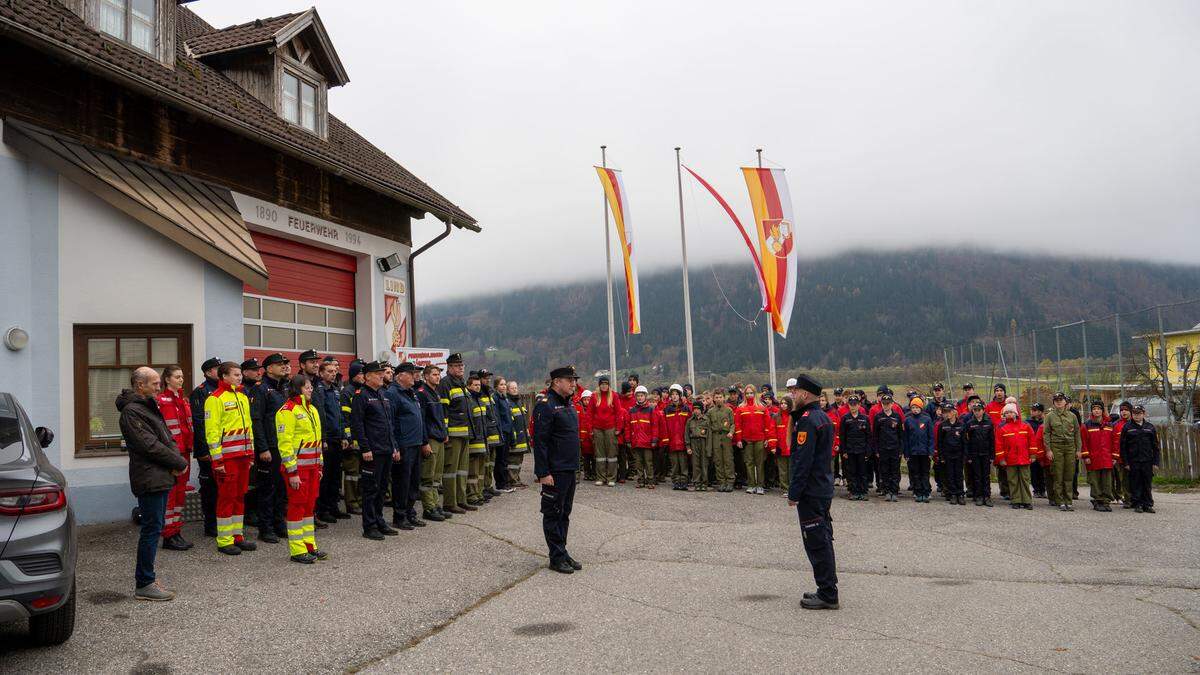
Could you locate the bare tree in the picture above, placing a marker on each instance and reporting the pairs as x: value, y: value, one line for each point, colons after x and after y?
x: 1180, y: 394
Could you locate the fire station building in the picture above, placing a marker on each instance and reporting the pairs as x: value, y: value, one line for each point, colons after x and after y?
x: 170, y: 192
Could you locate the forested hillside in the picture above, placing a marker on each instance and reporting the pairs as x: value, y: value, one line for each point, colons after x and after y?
x: 855, y: 310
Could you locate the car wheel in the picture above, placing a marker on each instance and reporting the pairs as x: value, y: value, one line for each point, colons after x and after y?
x: 54, y: 628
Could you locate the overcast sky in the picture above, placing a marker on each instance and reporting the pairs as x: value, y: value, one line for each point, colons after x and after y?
x: 1066, y: 127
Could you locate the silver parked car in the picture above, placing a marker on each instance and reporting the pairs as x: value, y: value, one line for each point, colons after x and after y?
x: 37, y: 531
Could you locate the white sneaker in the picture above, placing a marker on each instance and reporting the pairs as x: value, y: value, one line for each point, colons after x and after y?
x: 760, y: 491
x: 599, y: 482
x: 612, y: 483
x: 749, y: 490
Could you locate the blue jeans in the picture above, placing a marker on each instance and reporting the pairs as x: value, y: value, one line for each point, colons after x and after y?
x: 153, y: 509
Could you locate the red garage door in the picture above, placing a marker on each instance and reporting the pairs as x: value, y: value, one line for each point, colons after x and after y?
x: 308, y: 302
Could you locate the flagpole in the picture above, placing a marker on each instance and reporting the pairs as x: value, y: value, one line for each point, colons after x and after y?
x: 612, y: 335
x: 687, y: 294
x: 770, y: 322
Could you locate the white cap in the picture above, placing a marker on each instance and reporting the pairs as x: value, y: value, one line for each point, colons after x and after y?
x: 587, y: 393
x: 641, y: 389
x: 677, y: 387
x: 791, y: 382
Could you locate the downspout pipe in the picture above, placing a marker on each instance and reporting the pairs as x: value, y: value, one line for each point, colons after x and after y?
x: 412, y: 285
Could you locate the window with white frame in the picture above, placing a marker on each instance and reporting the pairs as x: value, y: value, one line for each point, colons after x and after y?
x: 276, y: 324
x: 300, y: 102
x: 130, y: 21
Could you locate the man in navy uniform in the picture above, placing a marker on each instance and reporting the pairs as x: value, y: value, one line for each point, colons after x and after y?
x: 371, y: 421
x: 208, y: 484
x: 555, y: 461
x: 811, y: 489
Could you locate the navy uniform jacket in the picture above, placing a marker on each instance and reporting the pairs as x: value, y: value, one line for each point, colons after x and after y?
x: 503, y: 417
x: 887, y: 433
x: 979, y: 436
x: 196, y: 400
x: 371, y: 421
x: 856, y: 434
x: 1139, y: 443
x: 812, y: 454
x: 520, y: 430
x: 556, y: 436
x: 266, y: 398
x: 332, y: 423
x: 949, y: 441
x: 433, y: 412
x: 918, y: 436
x: 408, y: 421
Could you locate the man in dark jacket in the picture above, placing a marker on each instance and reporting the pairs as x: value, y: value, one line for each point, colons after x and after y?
x: 555, y: 461
x: 154, y: 462
x: 267, y: 396
x: 412, y: 440
x: 433, y: 463
x: 208, y: 484
x: 810, y: 490
x: 371, y: 424
x: 1140, y: 454
x: 979, y: 436
x: 888, y: 443
x: 333, y: 440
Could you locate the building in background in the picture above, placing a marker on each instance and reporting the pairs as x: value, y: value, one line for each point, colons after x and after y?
x: 173, y: 191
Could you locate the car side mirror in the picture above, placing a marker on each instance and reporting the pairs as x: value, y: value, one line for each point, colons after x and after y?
x: 45, y: 436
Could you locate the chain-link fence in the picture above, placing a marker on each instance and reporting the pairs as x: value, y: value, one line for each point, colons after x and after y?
x: 1150, y: 356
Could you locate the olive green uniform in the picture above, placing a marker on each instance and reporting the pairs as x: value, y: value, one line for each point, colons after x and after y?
x: 720, y: 425
x: 1060, y: 432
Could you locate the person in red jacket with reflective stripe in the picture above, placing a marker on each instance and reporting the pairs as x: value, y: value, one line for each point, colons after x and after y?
x: 177, y: 413
x: 642, y: 431
x: 674, y: 436
x: 782, y: 449
x: 606, y: 416
x: 1120, y: 473
x: 1015, y: 446
x: 1097, y: 455
x: 754, y: 432
x: 995, y: 409
x: 587, y: 449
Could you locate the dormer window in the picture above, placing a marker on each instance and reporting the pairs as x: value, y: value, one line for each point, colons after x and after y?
x: 130, y: 21
x: 299, y: 101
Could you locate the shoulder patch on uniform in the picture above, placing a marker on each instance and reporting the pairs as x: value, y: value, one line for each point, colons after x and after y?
x: 801, y: 436
x: 281, y: 428
x: 805, y: 415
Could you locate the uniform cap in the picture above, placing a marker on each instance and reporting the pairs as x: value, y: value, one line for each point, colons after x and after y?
x: 882, y: 389
x: 484, y: 372
x: 454, y: 358
x: 805, y: 382
x: 948, y: 406
x: 854, y: 399
x: 250, y: 364
x: 373, y: 367
x: 974, y: 398
x: 356, y: 368
x: 1139, y: 408
x: 976, y: 404
x: 641, y: 389
x: 274, y: 358
x: 938, y: 386
x: 210, y: 364
x: 1037, y: 406
x: 838, y: 391
x: 308, y: 355
x: 408, y: 367
x: 1059, y: 395
x: 968, y: 386
x: 564, y: 371
x: 885, y: 397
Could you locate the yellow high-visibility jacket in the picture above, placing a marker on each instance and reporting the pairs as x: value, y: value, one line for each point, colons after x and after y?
x: 299, y: 434
x: 227, y: 427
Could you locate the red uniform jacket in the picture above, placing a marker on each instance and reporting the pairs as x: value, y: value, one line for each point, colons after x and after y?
x: 783, y: 441
x: 626, y: 402
x: 177, y: 413
x: 605, y: 411
x: 752, y: 423
x: 642, y: 426
x: 835, y: 416
x: 1118, y: 427
x: 1015, y: 443
x: 1039, y: 443
x: 674, y: 426
x: 585, y: 430
x: 1098, y: 439
x: 995, y: 410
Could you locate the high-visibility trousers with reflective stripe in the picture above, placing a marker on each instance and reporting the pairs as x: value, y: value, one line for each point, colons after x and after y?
x: 176, y: 499
x: 432, y: 467
x: 454, y: 473
x: 351, y: 468
x: 301, y: 502
x: 516, y: 457
x: 231, y: 499
x: 605, y: 443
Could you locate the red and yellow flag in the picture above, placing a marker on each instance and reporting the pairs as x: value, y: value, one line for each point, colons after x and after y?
x: 772, y: 205
x: 618, y: 203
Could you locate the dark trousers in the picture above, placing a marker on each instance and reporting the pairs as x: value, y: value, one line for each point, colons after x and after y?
x: 918, y: 475
x: 889, y: 471
x: 1002, y: 477
x: 152, y: 509
x: 556, y: 513
x: 872, y: 470
x: 817, y: 532
x: 939, y: 476
x: 270, y: 512
x: 208, y: 494
x: 837, y: 466
x: 1037, y: 478
x: 981, y: 476
x: 953, y: 470
x: 406, y: 484
x: 500, y: 472
x: 1141, y: 474
x: 855, y: 466
x: 373, y: 480
x: 331, y: 480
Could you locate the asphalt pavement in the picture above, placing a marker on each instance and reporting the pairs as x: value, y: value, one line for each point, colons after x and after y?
x: 672, y: 582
